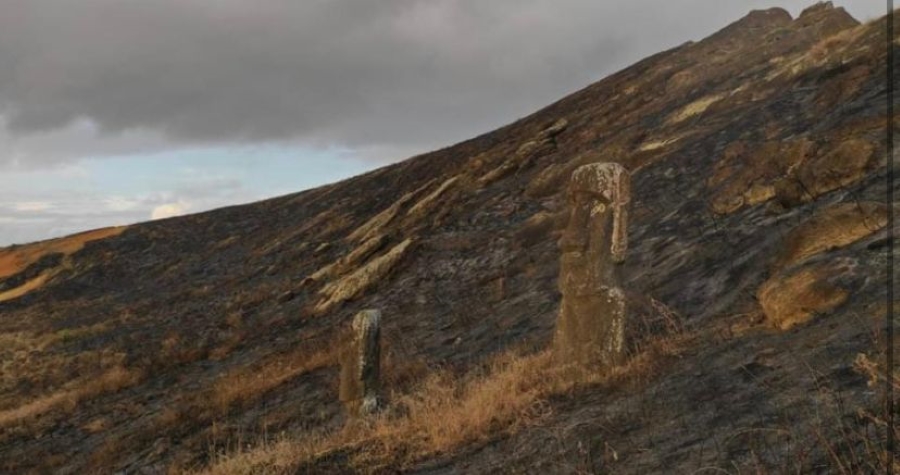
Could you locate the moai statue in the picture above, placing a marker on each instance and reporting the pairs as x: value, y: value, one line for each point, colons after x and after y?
x: 361, y: 366
x: 590, y: 329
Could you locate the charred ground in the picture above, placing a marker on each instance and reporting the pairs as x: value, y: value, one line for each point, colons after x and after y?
x: 758, y: 220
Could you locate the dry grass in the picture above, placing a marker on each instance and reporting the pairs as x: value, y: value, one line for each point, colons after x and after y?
x: 858, y: 445
x: 15, y: 259
x: 23, y: 289
x: 446, y: 412
x: 864, y: 365
x: 27, y: 362
x: 25, y: 342
x: 247, y: 384
x: 67, y: 399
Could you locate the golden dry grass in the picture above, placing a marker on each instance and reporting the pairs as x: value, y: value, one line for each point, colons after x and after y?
x: 37, y: 342
x: 444, y: 413
x: 23, y: 289
x: 862, y: 450
x: 247, y: 384
x: 15, y: 259
x: 24, y: 342
x: 25, y: 359
x: 114, y: 379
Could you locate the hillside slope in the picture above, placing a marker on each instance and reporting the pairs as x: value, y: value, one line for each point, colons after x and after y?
x: 757, y: 226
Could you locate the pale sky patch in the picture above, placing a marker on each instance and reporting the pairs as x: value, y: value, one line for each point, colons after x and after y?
x: 170, y: 210
x: 32, y: 206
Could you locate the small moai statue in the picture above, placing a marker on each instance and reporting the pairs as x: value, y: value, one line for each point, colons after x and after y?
x: 361, y: 366
x: 590, y: 330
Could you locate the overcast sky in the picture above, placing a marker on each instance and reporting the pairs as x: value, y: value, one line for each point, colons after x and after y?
x: 117, y: 111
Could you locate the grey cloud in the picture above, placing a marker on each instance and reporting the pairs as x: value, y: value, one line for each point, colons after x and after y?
x: 79, y: 139
x: 401, y: 74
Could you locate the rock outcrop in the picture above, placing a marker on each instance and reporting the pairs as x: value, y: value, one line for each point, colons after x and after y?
x: 352, y: 285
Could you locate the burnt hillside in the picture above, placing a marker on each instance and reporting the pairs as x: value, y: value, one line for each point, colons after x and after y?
x: 758, y: 220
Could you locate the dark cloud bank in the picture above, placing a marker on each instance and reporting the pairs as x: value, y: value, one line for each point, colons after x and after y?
x: 396, y: 73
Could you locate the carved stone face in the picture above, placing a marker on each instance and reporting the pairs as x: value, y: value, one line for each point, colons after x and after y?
x: 595, y: 191
x: 603, y: 180
x: 584, y: 208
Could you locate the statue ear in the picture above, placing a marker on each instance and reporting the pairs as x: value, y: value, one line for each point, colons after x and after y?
x: 621, y: 191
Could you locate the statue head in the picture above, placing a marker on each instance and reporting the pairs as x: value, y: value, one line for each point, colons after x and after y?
x: 600, y: 188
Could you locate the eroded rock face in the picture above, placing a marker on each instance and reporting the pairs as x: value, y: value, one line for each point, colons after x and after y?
x: 376, y: 224
x: 361, y: 365
x: 834, y: 227
x: 804, y: 282
x: 591, y: 325
x: 351, y: 285
x: 796, y: 297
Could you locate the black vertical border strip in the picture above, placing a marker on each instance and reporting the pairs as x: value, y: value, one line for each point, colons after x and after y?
x: 889, y: 378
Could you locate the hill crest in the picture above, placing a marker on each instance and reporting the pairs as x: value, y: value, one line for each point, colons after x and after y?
x: 757, y: 162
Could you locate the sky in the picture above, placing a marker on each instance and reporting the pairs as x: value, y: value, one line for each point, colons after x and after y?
x: 119, y: 111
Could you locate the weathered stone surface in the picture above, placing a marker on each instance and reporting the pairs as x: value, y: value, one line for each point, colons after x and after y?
x: 361, y: 365
x: 501, y: 171
x: 542, y: 144
x: 591, y: 324
x: 750, y: 174
x: 842, y: 166
x: 834, y: 227
x: 789, y: 299
x: 557, y: 128
x: 347, y: 262
x: 324, y: 247
x: 374, y: 225
x: 355, y: 283
x: 695, y: 108
x: 427, y: 203
x: 521, y: 159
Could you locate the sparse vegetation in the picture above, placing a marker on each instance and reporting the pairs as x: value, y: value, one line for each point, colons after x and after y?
x: 68, y: 398
x: 246, y: 384
x: 447, y: 411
